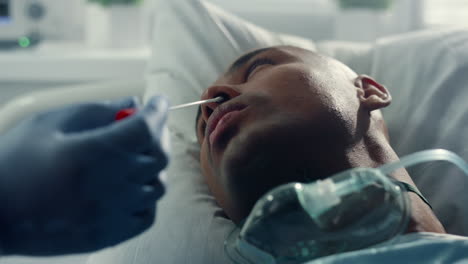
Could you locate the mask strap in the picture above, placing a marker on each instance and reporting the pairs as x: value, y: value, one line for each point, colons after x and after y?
x: 410, y: 188
x: 421, y: 157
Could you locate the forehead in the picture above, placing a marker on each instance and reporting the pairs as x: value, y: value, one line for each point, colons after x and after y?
x: 283, y: 52
x: 279, y: 54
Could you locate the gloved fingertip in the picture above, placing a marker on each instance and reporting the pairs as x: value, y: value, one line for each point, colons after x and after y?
x: 159, y: 104
x: 128, y: 102
x: 155, y: 115
x: 163, y: 177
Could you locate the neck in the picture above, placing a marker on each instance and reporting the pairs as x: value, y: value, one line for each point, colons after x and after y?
x: 373, y: 151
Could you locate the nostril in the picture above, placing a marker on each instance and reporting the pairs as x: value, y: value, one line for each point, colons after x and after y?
x: 224, y: 96
x: 209, y: 108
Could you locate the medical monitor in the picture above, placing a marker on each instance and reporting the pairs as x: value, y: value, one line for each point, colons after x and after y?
x: 5, y: 11
x: 13, y: 22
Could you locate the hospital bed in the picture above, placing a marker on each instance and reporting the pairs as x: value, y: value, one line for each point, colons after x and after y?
x: 425, y: 72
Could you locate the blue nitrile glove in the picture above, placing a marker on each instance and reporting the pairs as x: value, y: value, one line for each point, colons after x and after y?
x: 74, y: 180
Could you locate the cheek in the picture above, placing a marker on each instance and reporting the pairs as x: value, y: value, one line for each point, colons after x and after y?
x: 296, y: 88
x: 289, y: 86
x: 209, y: 174
x: 216, y: 188
x: 205, y: 164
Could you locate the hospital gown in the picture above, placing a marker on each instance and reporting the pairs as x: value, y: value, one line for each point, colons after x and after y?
x: 411, y: 248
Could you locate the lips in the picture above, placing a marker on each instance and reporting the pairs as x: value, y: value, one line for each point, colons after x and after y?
x: 221, y: 115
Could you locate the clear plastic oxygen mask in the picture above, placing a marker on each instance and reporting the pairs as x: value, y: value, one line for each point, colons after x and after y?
x: 351, y: 210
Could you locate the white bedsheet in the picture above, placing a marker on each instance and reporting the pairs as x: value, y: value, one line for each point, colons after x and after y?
x: 412, y: 248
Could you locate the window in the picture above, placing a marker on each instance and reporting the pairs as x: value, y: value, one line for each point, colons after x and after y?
x: 446, y: 12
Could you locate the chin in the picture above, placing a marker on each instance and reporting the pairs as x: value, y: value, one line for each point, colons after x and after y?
x: 252, y: 166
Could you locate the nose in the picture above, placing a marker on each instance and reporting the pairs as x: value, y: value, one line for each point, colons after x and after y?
x: 227, y: 92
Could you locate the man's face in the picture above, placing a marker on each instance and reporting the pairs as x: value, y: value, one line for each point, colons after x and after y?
x: 288, y: 111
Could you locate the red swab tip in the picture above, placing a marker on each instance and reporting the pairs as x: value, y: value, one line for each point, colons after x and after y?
x: 124, y: 113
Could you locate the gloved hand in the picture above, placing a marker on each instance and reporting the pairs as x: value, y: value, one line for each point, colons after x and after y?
x: 73, y: 180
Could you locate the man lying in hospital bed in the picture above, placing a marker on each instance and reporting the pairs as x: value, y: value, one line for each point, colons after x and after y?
x: 292, y: 115
x: 191, y: 227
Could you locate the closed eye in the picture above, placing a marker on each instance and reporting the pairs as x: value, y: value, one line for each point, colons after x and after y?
x: 255, y: 64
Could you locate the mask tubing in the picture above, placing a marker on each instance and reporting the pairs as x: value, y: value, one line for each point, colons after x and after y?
x: 426, y: 156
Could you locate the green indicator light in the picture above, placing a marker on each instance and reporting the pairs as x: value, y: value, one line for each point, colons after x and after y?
x: 24, y: 42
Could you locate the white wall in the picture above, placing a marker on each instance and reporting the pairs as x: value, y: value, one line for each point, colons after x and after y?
x: 308, y: 18
x: 448, y: 12
x: 311, y: 18
x: 65, y: 18
x: 322, y: 19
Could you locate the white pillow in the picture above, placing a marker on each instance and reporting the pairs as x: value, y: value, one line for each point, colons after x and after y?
x: 427, y: 75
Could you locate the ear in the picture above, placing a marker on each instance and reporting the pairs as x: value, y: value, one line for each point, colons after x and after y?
x: 372, y: 94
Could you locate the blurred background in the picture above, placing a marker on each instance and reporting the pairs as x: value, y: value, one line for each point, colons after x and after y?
x: 55, y: 44
x: 52, y: 43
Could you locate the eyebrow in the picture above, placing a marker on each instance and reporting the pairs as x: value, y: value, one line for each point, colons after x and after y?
x: 240, y: 62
